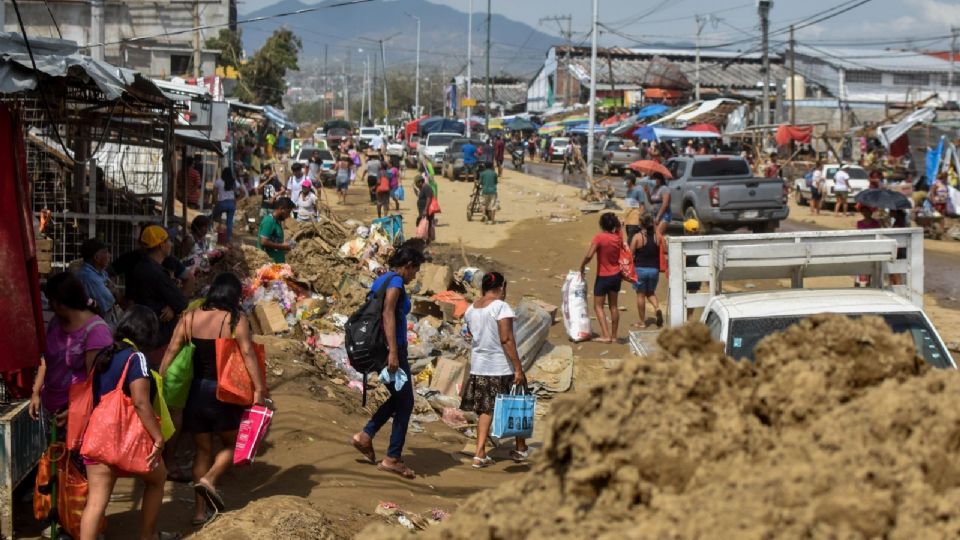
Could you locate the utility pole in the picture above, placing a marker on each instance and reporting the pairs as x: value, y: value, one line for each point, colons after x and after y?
x: 793, y: 80
x: 952, y: 78
x: 469, y: 65
x: 416, y: 84
x: 96, y: 23
x: 593, y: 90
x: 764, y: 9
x: 196, y: 39
x: 326, y: 80
x: 486, y: 108
x: 363, y: 92
x: 346, y: 87
x: 567, y: 36
x: 383, y: 70
x: 701, y: 22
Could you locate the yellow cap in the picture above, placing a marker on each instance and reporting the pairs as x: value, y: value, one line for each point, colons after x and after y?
x: 153, y: 235
x: 691, y: 225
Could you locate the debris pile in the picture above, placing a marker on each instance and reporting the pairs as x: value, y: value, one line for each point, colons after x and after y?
x: 837, y: 431
x: 280, y: 517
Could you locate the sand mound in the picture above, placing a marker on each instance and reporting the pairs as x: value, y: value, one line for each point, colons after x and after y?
x: 277, y: 518
x: 836, y: 431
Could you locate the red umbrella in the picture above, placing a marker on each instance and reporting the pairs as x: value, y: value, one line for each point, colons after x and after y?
x: 704, y: 127
x: 648, y: 167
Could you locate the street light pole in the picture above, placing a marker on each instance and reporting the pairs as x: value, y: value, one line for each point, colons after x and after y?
x: 416, y: 91
x: 469, y: 65
x: 593, y: 90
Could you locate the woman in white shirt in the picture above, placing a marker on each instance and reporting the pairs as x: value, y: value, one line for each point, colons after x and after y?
x: 306, y: 202
x: 494, y: 362
x: 226, y: 200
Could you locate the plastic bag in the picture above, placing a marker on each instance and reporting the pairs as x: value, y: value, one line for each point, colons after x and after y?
x: 574, y: 302
x: 513, y: 414
x: 233, y: 381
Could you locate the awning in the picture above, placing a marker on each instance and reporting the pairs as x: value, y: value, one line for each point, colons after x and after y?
x: 585, y: 128
x: 277, y: 117
x: 198, y: 139
x: 702, y: 111
x: 704, y: 127
x: 651, y: 110
x: 651, y: 133
x: 786, y: 133
x: 890, y: 133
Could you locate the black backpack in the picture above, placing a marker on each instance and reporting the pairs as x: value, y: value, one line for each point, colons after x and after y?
x: 366, y: 341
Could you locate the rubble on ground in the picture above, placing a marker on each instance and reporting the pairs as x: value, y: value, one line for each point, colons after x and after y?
x: 280, y: 517
x: 837, y: 431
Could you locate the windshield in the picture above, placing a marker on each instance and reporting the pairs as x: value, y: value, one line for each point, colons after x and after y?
x: 613, y: 146
x: 856, y: 173
x: 325, y: 155
x: 370, y: 131
x: 440, y: 140
x: 720, y: 167
x: 560, y: 143
x: 337, y: 132
x: 746, y: 333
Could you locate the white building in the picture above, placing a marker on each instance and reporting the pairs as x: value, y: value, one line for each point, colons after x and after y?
x: 161, y: 57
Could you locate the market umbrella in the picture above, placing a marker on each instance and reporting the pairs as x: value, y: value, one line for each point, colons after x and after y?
x: 648, y: 167
x: 548, y: 129
x: 710, y: 128
x: 519, y: 124
x: 883, y: 198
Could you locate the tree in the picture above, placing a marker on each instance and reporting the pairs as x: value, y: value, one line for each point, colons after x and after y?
x: 230, y: 47
x: 262, y: 78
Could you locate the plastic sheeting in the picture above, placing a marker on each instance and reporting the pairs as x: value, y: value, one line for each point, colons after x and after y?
x: 651, y: 110
x: 889, y: 134
x: 531, y: 327
x: 651, y: 133
x: 438, y: 124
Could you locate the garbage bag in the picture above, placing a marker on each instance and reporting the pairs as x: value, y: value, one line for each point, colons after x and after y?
x: 574, y: 302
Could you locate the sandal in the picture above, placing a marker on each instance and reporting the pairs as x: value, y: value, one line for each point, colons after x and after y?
x: 367, y: 451
x: 519, y: 456
x: 400, y: 470
x: 481, y: 463
x: 211, y: 495
x: 207, y: 517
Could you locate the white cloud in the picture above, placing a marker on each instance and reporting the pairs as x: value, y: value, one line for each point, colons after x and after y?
x: 938, y: 13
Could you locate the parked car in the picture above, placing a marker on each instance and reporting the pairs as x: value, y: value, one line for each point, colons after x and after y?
x: 859, y: 181
x: 434, y: 146
x: 558, y: 145
x: 367, y: 135
x: 453, y: 158
x: 327, y: 162
x: 613, y: 155
x: 721, y: 191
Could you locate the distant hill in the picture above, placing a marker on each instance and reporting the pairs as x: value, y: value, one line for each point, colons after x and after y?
x: 516, y: 48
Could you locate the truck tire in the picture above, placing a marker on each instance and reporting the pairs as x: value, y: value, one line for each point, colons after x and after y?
x: 765, y: 227
x: 691, y: 213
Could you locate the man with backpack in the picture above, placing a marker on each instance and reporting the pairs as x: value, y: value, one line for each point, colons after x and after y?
x: 377, y: 342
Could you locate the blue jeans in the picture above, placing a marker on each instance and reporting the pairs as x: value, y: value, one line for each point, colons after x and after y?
x: 229, y: 207
x: 400, y: 407
x: 647, y: 279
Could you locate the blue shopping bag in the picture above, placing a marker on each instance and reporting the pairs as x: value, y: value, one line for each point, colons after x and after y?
x: 398, y: 193
x: 513, y: 414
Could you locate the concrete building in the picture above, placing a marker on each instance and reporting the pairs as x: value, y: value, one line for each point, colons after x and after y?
x: 877, y: 76
x: 626, y: 77
x: 160, y: 57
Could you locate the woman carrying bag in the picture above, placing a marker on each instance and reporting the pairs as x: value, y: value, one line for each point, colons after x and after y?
x: 119, y: 442
x: 205, y: 416
x: 494, y: 362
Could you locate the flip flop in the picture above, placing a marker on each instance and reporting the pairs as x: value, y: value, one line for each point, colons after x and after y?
x: 405, y: 472
x: 211, y: 495
x: 482, y: 463
x: 519, y: 456
x: 367, y: 451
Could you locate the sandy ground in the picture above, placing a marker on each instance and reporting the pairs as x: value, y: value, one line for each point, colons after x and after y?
x: 307, y: 453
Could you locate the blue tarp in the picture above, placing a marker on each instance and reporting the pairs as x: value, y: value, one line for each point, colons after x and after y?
x: 277, y: 117
x: 933, y: 162
x: 438, y: 124
x: 585, y: 128
x: 650, y: 133
x: 651, y: 110
x: 519, y: 124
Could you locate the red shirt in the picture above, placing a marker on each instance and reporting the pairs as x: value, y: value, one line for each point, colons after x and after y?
x: 608, y: 253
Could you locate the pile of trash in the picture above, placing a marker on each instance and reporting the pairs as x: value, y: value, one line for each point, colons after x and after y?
x: 837, y: 431
x: 280, y: 517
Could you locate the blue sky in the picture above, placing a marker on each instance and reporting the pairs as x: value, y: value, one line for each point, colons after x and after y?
x: 633, y: 21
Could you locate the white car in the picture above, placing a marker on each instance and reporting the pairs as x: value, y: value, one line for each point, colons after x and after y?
x: 558, y: 146
x: 433, y: 147
x: 368, y: 134
x: 859, y: 181
x: 741, y: 320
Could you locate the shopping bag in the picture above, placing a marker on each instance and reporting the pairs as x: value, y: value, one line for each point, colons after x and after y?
x: 398, y: 193
x: 78, y: 411
x: 234, y: 384
x: 423, y: 229
x: 625, y: 260
x: 383, y: 184
x: 179, y: 374
x: 513, y: 414
x: 72, y: 492
x: 120, y: 439
x: 253, y: 429
x: 42, y: 498
x: 160, y: 408
x: 434, y: 207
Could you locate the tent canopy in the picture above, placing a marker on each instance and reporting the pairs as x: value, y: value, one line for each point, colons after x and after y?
x: 651, y: 110
x: 651, y: 133
x: 585, y: 128
x: 519, y: 124
x: 440, y: 124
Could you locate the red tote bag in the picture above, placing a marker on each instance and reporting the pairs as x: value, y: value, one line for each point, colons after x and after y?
x: 118, y: 436
x: 233, y: 381
x: 627, y: 270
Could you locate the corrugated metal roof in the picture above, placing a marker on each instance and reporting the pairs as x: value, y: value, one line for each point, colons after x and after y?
x: 875, y: 59
x: 712, y: 74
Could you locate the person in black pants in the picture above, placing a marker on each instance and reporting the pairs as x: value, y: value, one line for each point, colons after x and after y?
x: 404, y: 265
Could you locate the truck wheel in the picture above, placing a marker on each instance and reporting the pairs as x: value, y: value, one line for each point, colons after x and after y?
x: 691, y: 213
x: 765, y: 227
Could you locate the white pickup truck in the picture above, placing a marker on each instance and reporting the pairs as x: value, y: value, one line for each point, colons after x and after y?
x: 859, y: 181
x: 742, y: 319
x: 433, y: 147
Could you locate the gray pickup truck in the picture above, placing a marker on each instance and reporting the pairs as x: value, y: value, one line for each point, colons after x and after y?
x: 721, y: 191
x: 613, y: 155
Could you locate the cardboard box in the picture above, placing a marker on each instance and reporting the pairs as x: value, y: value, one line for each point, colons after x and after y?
x: 255, y: 325
x: 271, y: 318
x: 43, y: 267
x: 44, y: 244
x: 551, y: 309
x: 449, y: 376
x: 425, y: 306
x: 435, y: 278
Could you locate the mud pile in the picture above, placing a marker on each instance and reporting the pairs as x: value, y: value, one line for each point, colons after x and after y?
x: 837, y: 431
x: 277, y: 518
